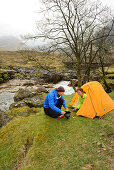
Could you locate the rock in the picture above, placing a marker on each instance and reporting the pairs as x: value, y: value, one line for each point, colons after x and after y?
x: 1, y: 80
x: 48, y: 85
x: 28, y: 84
x: 52, y: 77
x: 31, y: 98
x: 17, y: 104
x: 22, y: 93
x: 6, y: 75
x: 42, y: 89
x: 10, y: 72
x: 36, y: 101
x: 28, y: 93
x: 4, y: 118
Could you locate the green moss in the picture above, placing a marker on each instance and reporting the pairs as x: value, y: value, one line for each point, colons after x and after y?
x: 110, y: 70
x: 5, y: 75
x: 37, y: 75
x: 110, y: 81
x: 21, y: 94
x: 18, y: 76
x: 3, y: 72
x: 110, y: 76
x: 22, y: 111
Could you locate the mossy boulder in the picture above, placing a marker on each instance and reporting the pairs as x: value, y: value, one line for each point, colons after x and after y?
x: 4, y: 118
x: 2, y: 72
x: 22, y: 94
x: 36, y: 101
x: 1, y: 80
x: 23, y: 111
x: 18, y: 76
x: 25, y: 93
x: 41, y: 89
x: 28, y: 98
x: 52, y: 77
x: 3, y: 75
x: 6, y: 75
x: 17, y: 104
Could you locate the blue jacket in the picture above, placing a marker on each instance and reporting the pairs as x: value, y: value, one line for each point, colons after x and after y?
x: 51, y: 101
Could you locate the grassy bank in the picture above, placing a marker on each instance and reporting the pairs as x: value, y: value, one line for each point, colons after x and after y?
x: 40, y: 142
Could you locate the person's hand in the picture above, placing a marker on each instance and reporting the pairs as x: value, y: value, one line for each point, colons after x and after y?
x: 74, y: 109
x: 63, y: 112
x: 66, y: 109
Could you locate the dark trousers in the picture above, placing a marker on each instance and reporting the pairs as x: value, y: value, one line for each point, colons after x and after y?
x: 52, y: 113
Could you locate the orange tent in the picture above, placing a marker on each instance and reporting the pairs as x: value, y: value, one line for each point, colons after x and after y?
x: 97, y: 102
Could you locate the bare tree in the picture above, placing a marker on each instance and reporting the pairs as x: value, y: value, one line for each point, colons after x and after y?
x: 69, y: 27
x: 105, y: 44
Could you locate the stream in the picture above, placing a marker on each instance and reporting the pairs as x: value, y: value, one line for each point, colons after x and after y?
x: 8, y: 90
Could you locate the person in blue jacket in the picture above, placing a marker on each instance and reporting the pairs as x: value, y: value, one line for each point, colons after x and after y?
x: 53, y: 103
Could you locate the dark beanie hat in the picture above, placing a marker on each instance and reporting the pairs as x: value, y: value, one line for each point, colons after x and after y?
x: 60, y: 89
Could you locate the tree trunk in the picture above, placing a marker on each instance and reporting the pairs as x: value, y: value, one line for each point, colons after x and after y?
x: 108, y: 88
x: 79, y: 72
x: 72, y: 83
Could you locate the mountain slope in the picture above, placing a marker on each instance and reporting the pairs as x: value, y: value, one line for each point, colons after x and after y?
x: 11, y: 43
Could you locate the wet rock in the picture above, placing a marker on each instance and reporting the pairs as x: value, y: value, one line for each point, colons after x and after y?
x: 4, y: 118
x: 36, y: 101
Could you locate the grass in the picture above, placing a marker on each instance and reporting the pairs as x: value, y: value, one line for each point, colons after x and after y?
x: 20, y: 59
x: 39, y: 142
x: 110, y: 70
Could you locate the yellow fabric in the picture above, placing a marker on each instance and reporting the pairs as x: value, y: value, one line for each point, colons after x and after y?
x: 97, y: 102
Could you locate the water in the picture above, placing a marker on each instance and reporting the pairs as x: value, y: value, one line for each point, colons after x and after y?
x: 8, y: 90
x: 68, y: 90
x: 6, y: 99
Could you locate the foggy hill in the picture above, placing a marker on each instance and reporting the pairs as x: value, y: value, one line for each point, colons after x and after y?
x: 11, y: 43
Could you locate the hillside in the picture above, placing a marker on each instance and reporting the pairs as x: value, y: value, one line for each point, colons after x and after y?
x: 11, y: 43
x: 20, y: 59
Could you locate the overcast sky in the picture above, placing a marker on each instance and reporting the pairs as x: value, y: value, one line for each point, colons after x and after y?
x: 18, y: 17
